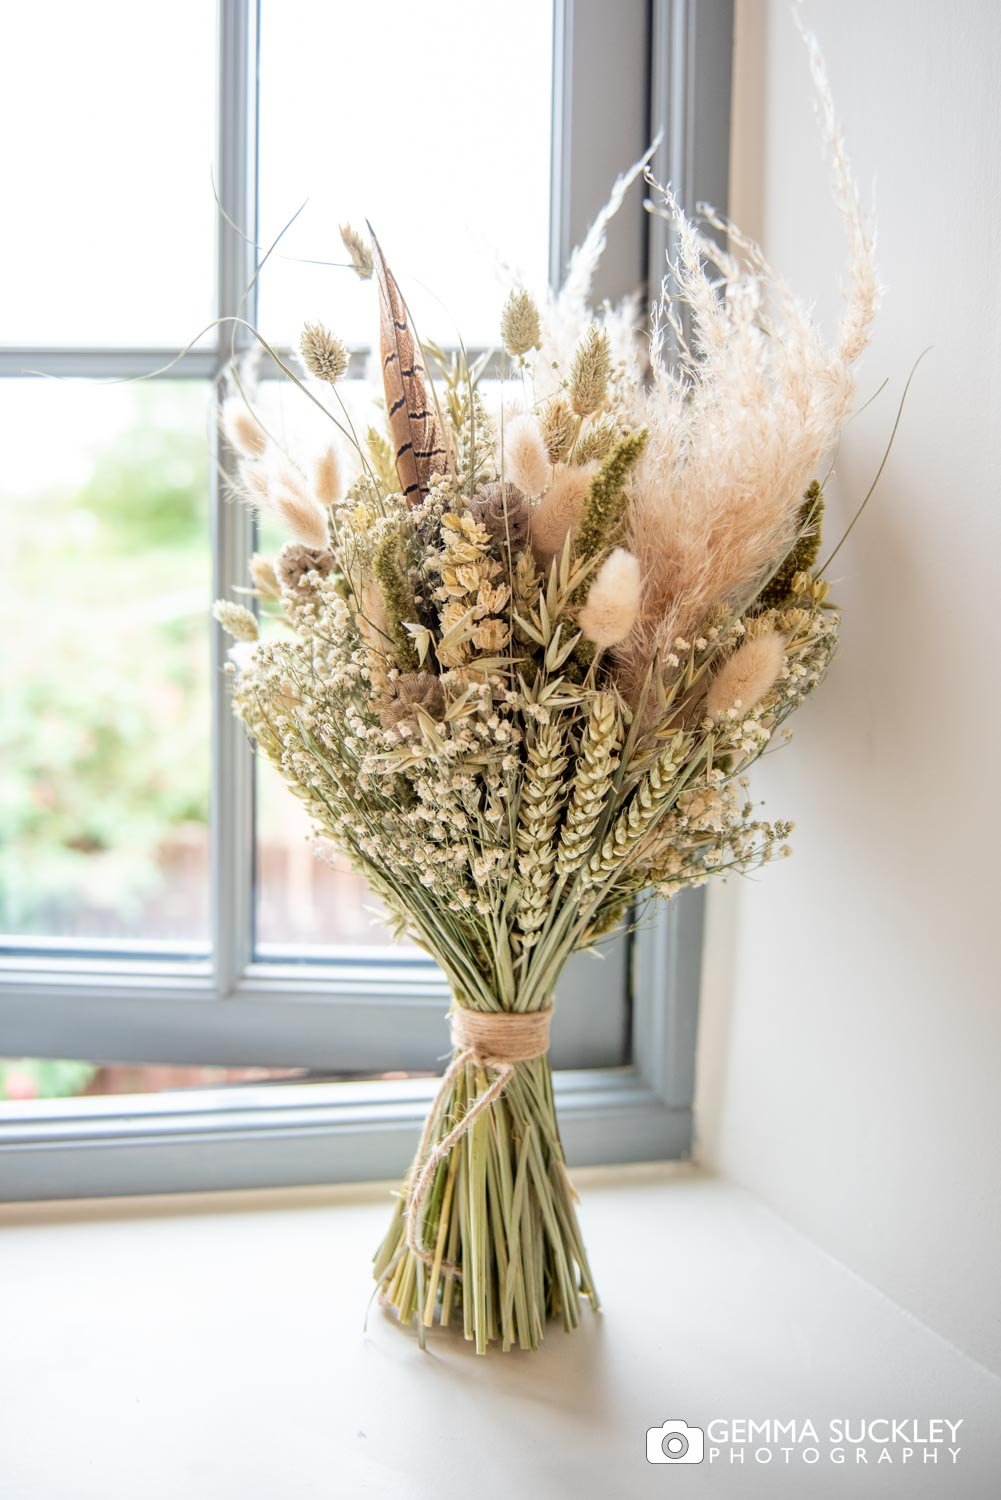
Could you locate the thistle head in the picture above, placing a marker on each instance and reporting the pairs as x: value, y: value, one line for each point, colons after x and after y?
x: 505, y: 513
x: 296, y: 561
x: 408, y: 693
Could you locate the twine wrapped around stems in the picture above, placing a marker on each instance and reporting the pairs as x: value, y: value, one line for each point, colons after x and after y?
x: 494, y: 1040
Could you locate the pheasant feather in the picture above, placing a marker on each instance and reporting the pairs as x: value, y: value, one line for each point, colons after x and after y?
x: 418, y: 446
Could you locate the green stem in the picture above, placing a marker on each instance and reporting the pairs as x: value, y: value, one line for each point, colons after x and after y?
x: 509, y: 1223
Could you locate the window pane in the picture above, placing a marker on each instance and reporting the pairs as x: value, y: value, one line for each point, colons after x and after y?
x: 432, y: 121
x: 26, y: 1080
x: 107, y: 115
x: 310, y: 903
x: 104, y: 701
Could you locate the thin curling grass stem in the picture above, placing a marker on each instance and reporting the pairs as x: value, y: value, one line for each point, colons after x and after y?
x: 502, y: 1213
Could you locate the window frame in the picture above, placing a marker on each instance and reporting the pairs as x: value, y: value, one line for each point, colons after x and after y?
x: 232, y: 1007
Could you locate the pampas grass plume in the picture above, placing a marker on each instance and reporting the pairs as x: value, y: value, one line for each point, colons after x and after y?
x: 243, y: 431
x: 526, y: 462
x: 327, y: 477
x: 613, y: 600
x: 746, y: 676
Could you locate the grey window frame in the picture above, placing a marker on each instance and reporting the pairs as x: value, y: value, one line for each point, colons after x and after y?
x: 228, y: 1007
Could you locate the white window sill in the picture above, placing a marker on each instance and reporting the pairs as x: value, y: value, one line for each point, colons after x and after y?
x: 213, y: 1346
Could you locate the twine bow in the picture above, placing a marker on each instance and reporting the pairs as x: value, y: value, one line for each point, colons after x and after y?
x: 494, y: 1040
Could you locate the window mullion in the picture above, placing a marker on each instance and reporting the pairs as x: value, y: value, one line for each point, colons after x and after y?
x: 105, y: 364
x: 232, y: 531
x: 690, y: 73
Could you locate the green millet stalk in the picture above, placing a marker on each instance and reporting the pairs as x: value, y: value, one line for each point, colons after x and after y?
x: 580, y: 660
x: 801, y: 558
x: 605, y: 504
x: 397, y: 596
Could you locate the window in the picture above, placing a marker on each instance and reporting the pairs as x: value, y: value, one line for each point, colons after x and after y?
x: 158, y: 904
x: 105, y: 734
x: 430, y: 175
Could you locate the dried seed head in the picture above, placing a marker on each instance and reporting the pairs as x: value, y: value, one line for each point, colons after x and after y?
x: 596, y: 442
x: 295, y: 562
x: 755, y: 625
x: 520, y: 330
x: 716, y: 622
x: 359, y: 250
x: 794, y: 620
x: 613, y: 600
x: 505, y: 512
x: 407, y: 693
x: 263, y: 574
x: 589, y: 373
x: 243, y: 431
x: 236, y: 620
x: 323, y: 355
x: 558, y: 426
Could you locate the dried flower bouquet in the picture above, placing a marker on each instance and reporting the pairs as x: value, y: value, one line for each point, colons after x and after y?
x: 527, y: 658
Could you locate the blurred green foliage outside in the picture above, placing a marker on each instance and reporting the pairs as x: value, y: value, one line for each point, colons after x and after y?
x: 104, y: 721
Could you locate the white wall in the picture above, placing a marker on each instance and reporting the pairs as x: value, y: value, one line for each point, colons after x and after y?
x: 851, y: 1038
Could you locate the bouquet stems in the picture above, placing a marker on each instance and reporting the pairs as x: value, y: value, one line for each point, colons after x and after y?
x: 504, y: 1249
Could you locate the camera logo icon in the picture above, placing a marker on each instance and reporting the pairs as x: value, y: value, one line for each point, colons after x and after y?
x: 675, y: 1443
